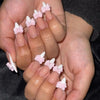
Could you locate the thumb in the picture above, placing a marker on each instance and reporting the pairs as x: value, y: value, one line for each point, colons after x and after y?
x: 7, y: 44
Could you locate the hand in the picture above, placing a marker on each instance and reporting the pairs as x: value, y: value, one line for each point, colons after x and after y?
x: 77, y: 58
x: 9, y: 15
x: 78, y: 67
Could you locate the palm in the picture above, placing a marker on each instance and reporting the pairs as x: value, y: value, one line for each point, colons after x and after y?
x: 78, y: 66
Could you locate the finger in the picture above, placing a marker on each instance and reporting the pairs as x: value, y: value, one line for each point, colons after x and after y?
x: 47, y: 89
x: 47, y: 37
x: 51, y: 46
x: 59, y: 95
x: 30, y: 71
x: 22, y: 52
x: 7, y: 37
x: 35, y: 42
x: 56, y: 27
x: 35, y: 82
x: 81, y: 84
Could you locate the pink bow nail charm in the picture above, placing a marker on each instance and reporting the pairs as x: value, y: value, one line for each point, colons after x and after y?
x: 50, y: 63
x: 45, y: 7
x: 37, y: 14
x: 58, y: 69
x: 11, y: 65
x: 40, y: 58
x: 29, y: 21
x: 18, y: 28
x: 62, y: 84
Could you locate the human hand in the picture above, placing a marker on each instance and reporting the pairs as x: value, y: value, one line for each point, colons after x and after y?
x: 77, y: 58
x: 78, y: 67
x: 42, y: 81
x: 8, y: 16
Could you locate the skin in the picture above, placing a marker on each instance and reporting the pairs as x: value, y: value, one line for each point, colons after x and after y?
x: 9, y: 15
x: 78, y: 63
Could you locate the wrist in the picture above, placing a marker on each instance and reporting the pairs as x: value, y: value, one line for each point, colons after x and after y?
x: 78, y: 26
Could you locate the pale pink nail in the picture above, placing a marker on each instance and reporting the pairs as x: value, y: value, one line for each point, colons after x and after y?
x: 18, y: 28
x: 40, y: 58
x: 58, y: 69
x: 50, y: 63
x: 37, y: 14
x: 45, y: 7
x: 11, y: 65
x: 29, y: 21
x: 62, y: 84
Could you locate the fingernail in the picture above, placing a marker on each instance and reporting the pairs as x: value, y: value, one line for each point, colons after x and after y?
x: 45, y: 7
x: 58, y: 69
x: 37, y: 14
x: 44, y: 72
x: 32, y: 32
x: 62, y: 84
x: 20, y: 40
x: 11, y: 65
x: 40, y: 58
x: 49, y: 15
x: 50, y: 63
x: 30, y: 21
x: 18, y: 30
x: 53, y: 77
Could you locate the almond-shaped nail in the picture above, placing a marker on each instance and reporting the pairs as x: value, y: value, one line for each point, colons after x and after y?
x: 50, y: 63
x: 40, y: 58
x: 62, y: 84
x: 37, y: 14
x: 29, y: 21
x: 58, y: 69
x: 11, y: 65
x: 18, y: 31
x: 45, y: 7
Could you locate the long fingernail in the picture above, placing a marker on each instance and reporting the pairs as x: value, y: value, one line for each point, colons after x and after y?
x: 29, y: 21
x: 58, y: 69
x: 37, y: 14
x: 40, y: 58
x: 44, y: 72
x: 62, y: 84
x: 18, y: 30
x: 11, y: 65
x: 53, y: 78
x: 45, y: 7
x: 50, y: 63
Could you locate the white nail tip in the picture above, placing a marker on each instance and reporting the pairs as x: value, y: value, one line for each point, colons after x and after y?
x: 60, y: 66
x: 52, y: 60
x: 43, y: 54
x: 63, y: 80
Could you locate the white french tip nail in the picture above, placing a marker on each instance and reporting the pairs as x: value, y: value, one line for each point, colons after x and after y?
x: 35, y: 11
x: 13, y: 64
x: 43, y: 54
x: 16, y: 24
x: 27, y: 18
x: 63, y: 80
x: 52, y: 60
